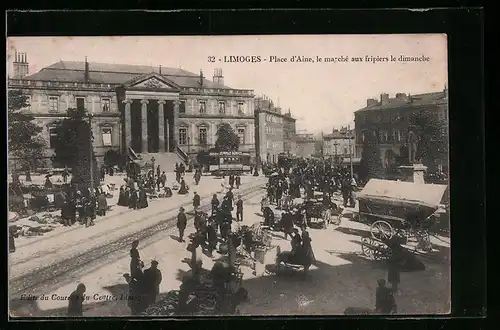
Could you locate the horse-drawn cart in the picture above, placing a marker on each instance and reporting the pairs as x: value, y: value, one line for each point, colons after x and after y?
x: 401, y: 210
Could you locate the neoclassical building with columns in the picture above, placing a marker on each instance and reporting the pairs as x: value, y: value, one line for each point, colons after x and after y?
x: 149, y: 109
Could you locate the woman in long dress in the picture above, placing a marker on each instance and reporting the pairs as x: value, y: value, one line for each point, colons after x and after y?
x: 183, y: 190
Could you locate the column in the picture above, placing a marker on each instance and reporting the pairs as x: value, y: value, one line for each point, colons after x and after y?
x: 128, y: 124
x: 161, y: 126
x: 168, y: 135
x: 144, y: 125
x: 176, y: 120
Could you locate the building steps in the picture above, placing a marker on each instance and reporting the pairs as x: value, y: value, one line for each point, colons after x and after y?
x: 166, y: 160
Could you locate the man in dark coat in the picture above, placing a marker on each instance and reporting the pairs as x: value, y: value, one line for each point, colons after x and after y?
x: 231, y: 181
x: 181, y: 223
x: 75, y: 301
x: 152, y: 279
x: 279, y: 195
x: 214, y: 202
x: 239, y: 209
x: 196, y: 201
x: 102, y: 205
x: 384, y: 299
x: 238, y: 182
x: 287, y: 223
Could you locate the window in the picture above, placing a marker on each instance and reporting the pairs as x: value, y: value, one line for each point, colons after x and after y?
x: 80, y: 103
x: 52, y: 137
x: 241, y: 135
x: 106, y: 136
x: 53, y: 103
x: 203, y: 135
x: 203, y: 107
x: 383, y: 136
x: 222, y: 107
x: 182, y: 107
x: 106, y: 105
x: 240, y: 108
x: 345, y: 151
x: 363, y: 136
x: 182, y: 136
x: 396, y: 135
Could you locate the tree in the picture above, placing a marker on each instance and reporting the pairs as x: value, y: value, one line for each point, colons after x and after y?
x: 26, y: 146
x: 227, y: 140
x: 371, y: 164
x: 432, y: 145
x: 73, y: 146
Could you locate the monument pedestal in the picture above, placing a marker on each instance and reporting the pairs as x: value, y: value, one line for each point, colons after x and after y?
x: 413, y: 173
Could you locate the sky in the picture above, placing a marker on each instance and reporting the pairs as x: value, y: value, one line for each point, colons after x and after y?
x: 321, y: 95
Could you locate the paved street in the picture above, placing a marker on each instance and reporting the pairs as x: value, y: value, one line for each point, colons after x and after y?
x: 342, y: 277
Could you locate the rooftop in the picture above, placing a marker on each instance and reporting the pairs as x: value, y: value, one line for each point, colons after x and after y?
x: 106, y: 73
x: 402, y: 100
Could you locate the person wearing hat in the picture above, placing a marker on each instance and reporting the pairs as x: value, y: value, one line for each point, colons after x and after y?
x: 196, y: 201
x: 181, y: 223
x: 384, y: 299
x: 152, y: 279
x: 135, y: 262
x: 239, y: 209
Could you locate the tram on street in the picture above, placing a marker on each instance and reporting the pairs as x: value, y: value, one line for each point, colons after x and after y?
x: 229, y: 162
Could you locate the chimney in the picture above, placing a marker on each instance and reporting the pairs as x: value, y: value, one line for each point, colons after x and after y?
x: 384, y: 98
x: 86, y: 77
x: 445, y: 91
x: 371, y: 102
x: 201, y: 78
x: 21, y: 65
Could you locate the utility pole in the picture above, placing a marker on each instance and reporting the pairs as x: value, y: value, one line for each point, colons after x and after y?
x: 349, y: 132
x: 322, y: 146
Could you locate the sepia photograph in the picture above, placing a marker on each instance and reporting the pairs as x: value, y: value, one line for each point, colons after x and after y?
x: 167, y: 176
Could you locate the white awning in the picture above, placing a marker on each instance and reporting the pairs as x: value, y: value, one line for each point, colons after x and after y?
x: 426, y: 194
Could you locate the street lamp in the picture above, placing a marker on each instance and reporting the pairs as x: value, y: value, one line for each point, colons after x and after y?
x: 335, y: 144
x: 153, y: 164
x: 91, y: 151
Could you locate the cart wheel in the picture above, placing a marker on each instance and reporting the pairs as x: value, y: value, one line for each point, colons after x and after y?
x: 381, y: 230
x: 366, y: 247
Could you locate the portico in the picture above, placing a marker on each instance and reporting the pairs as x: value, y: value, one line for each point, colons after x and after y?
x: 150, y: 115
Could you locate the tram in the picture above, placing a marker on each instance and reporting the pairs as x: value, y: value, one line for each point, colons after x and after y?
x: 229, y: 162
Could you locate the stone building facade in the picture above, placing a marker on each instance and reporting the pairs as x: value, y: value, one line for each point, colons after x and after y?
x: 151, y: 110
x: 305, y: 145
x: 388, y: 120
x: 274, y: 130
x: 339, y: 144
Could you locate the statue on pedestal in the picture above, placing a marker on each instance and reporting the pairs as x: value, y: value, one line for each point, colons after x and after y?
x: 412, y: 147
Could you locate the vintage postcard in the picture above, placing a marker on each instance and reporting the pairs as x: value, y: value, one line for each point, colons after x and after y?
x: 222, y: 175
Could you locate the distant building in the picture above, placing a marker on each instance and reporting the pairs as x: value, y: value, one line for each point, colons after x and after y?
x: 305, y: 145
x: 388, y: 120
x: 149, y: 109
x: 274, y: 130
x: 340, y: 145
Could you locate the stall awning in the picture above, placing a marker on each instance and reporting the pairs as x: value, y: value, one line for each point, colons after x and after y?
x: 429, y: 195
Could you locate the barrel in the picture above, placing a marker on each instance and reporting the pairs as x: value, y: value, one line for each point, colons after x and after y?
x: 260, y: 254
